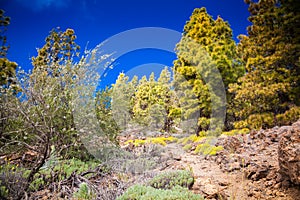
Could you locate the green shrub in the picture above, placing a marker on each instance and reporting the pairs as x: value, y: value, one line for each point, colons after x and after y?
x: 62, y: 170
x: 69, y: 166
x: 37, y: 183
x: 192, y: 138
x: 171, y: 179
x: 140, y: 192
x: 187, y: 147
x: 155, y: 140
x: 12, y: 180
x: 256, y: 121
x: 84, y: 192
x: 289, y: 116
x: 208, y: 149
x: 237, y: 131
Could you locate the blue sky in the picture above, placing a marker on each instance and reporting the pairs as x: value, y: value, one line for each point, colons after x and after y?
x: 96, y: 20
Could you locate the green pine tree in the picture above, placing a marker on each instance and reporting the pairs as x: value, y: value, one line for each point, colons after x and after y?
x: 153, y: 102
x: 7, y: 68
x: 59, y: 48
x: 205, y: 51
x: 104, y: 114
x: 268, y: 94
x: 122, y: 95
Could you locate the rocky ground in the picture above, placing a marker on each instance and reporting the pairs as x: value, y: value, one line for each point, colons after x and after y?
x: 247, y: 168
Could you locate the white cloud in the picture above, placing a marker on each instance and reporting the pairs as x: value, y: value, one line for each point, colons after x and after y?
x: 39, y: 5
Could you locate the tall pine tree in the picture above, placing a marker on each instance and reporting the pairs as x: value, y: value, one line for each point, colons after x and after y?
x: 205, y: 50
x: 7, y: 68
x: 104, y: 114
x: 154, y: 101
x: 268, y: 94
x: 122, y: 95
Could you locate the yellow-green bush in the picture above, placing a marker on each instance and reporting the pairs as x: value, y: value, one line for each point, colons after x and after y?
x: 63, y: 169
x: 208, y: 149
x: 191, y: 139
x: 187, y: 147
x: 155, y: 140
x: 289, y: 116
x: 268, y: 120
x: 237, y: 131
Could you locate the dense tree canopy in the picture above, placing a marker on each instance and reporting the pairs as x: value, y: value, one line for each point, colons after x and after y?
x: 153, y: 101
x: 206, y: 45
x: 268, y: 94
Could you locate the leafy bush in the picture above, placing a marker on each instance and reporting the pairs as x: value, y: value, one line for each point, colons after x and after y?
x: 268, y: 120
x: 155, y: 140
x: 192, y: 138
x: 208, y: 149
x: 62, y: 169
x: 171, y: 179
x: 187, y: 147
x: 140, y: 192
x: 288, y: 117
x: 237, y: 131
x: 162, y: 140
x: 84, y: 192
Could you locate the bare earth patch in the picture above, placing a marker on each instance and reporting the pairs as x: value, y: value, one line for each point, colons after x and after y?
x: 247, y: 168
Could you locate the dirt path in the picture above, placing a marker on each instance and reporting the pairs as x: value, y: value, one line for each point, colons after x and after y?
x: 246, y: 169
x: 210, y: 180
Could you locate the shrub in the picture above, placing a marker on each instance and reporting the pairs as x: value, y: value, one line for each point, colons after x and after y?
x: 187, y: 147
x: 84, y: 192
x: 171, y: 179
x: 208, y: 149
x: 140, y: 192
x: 12, y: 181
x: 237, y: 131
x: 192, y: 139
x: 155, y: 140
x: 288, y: 117
x: 63, y: 169
x: 136, y: 142
x: 162, y: 140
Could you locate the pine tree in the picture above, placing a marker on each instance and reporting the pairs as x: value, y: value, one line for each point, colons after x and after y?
x: 205, y: 50
x: 143, y: 100
x: 7, y: 68
x: 169, y: 98
x: 164, y: 77
x: 153, y: 102
x: 104, y: 114
x: 59, y: 48
x: 268, y: 94
x: 122, y: 95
